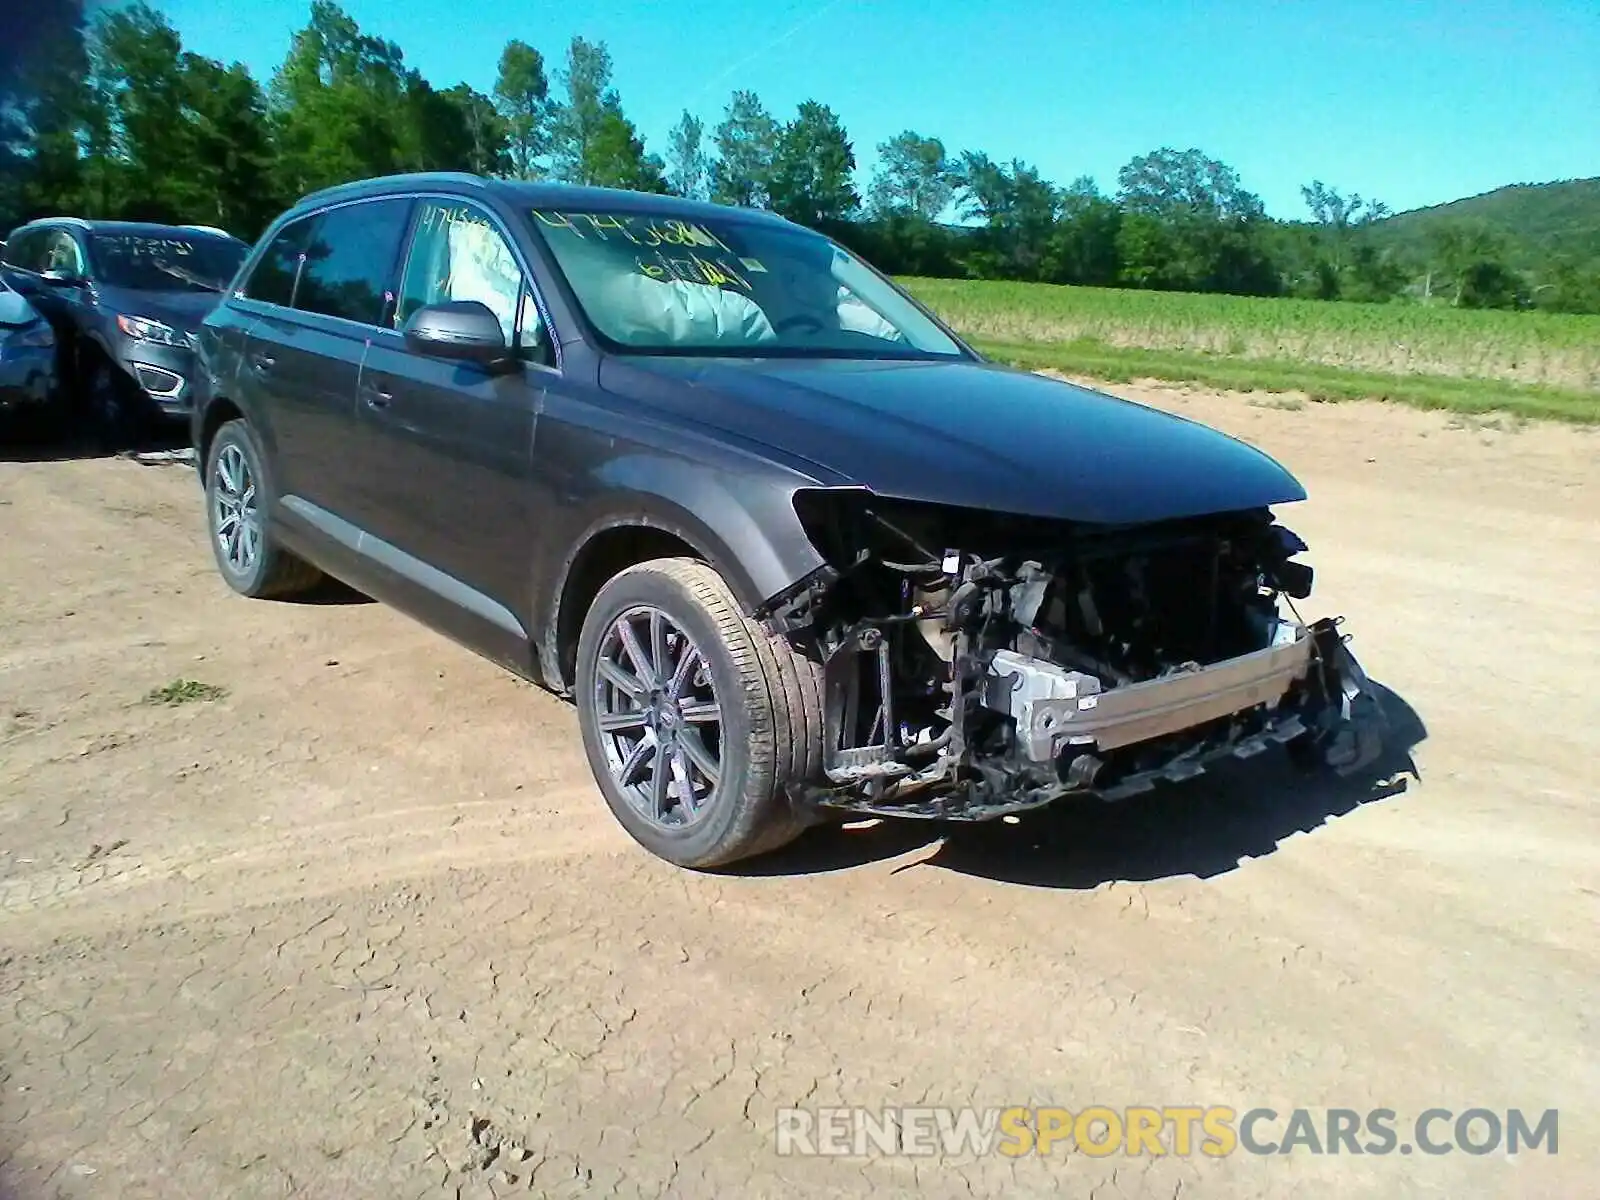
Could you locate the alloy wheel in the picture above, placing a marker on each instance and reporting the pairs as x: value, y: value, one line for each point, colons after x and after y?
x: 656, y: 711
x: 235, y: 515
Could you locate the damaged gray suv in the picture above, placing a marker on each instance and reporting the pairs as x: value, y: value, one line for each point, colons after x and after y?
x: 792, y: 548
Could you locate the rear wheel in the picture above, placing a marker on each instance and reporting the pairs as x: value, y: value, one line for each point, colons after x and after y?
x: 238, y: 498
x: 695, y: 722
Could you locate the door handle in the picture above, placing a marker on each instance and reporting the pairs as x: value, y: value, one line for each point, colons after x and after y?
x: 262, y: 364
x: 376, y: 397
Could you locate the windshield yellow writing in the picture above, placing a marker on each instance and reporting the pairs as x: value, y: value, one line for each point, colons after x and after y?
x: 647, y: 231
x: 694, y: 268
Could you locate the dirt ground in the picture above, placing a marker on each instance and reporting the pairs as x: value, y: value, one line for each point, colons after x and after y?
x: 362, y: 926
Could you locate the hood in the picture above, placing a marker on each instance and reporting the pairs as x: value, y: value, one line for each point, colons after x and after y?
x: 14, y: 310
x: 965, y: 433
x: 181, y: 310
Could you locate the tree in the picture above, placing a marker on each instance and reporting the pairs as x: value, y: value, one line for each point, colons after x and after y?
x: 1491, y: 284
x: 1082, y: 248
x: 578, y: 121
x: 339, y: 105
x: 688, y: 164
x: 914, y: 178
x: 487, y: 133
x: 810, y: 181
x: 1335, y: 216
x: 1371, y: 274
x: 746, y: 142
x: 1168, y: 183
x: 138, y: 77
x: 232, y: 147
x: 1573, y: 288
x: 1145, y: 252
x: 45, y: 106
x: 1018, y: 209
x: 173, y: 135
x: 615, y: 156
x: 444, y: 131
x: 1458, y: 253
x: 522, y: 97
x: 1213, y: 231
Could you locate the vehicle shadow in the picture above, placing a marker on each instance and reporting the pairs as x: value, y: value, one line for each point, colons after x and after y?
x: 23, y: 441
x: 330, y: 591
x: 1205, y: 827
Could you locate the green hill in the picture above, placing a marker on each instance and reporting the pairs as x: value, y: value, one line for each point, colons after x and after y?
x: 1538, y: 224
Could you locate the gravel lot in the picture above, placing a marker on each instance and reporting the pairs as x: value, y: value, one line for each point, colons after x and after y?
x: 360, y: 925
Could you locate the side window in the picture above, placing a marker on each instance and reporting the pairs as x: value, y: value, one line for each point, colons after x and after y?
x: 274, y: 277
x: 62, y: 253
x: 19, y: 251
x: 350, y: 259
x: 458, y: 254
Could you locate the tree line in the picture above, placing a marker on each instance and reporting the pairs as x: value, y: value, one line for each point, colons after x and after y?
x: 112, y: 117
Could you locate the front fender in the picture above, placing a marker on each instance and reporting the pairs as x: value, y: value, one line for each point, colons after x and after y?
x: 742, y: 523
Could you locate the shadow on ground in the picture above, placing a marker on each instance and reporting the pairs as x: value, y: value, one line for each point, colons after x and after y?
x: 330, y: 591
x: 1205, y: 828
x: 25, y: 440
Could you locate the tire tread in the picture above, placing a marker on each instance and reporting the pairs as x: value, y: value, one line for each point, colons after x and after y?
x: 781, y: 701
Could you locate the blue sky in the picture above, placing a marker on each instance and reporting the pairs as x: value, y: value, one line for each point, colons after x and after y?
x: 1413, y: 102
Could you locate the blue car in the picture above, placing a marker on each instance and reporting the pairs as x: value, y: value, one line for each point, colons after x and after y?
x: 125, y: 299
x: 27, y: 358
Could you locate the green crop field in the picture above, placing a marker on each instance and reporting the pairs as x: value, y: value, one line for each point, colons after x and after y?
x: 1539, y: 364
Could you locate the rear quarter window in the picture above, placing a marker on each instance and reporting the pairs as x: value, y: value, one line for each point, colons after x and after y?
x: 274, y: 277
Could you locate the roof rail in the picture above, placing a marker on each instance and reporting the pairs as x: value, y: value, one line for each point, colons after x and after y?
x: 405, y: 179
x: 78, y: 221
x: 206, y: 229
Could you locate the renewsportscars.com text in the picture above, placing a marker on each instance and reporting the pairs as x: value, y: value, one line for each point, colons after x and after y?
x: 1215, y: 1131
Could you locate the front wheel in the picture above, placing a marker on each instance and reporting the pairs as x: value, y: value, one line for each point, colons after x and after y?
x: 115, y: 414
x: 695, y: 722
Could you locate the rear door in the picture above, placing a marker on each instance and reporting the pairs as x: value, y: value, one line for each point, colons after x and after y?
x: 321, y: 291
x: 446, y: 446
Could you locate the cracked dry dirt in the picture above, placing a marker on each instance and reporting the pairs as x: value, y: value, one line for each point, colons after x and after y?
x: 362, y: 927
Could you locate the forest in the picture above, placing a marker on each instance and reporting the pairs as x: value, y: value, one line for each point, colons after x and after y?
x: 106, y: 114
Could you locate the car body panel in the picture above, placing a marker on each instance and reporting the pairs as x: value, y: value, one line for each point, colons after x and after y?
x: 603, y: 463
x: 28, y: 376
x: 441, y: 447
x: 299, y: 372
x: 967, y: 434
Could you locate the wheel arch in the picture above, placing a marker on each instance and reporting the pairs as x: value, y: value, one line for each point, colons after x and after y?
x: 754, y: 541
x: 217, y: 413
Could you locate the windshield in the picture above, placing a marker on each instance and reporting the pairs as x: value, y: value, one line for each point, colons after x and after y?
x: 656, y: 284
x: 166, y: 262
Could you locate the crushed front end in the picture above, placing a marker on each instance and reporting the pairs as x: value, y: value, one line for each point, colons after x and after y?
x: 976, y: 664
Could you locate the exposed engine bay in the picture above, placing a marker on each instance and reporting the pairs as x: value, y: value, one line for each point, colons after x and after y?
x: 976, y: 664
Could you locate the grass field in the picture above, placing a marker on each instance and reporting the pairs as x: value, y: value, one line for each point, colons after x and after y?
x: 1536, y: 364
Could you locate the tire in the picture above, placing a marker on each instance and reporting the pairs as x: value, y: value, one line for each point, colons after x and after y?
x: 768, y: 730
x: 261, y: 569
x: 116, y: 416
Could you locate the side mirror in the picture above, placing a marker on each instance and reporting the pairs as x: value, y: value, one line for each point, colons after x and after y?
x: 465, y: 330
